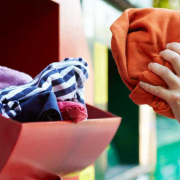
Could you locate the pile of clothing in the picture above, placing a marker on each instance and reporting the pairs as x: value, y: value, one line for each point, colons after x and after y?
x: 56, y: 93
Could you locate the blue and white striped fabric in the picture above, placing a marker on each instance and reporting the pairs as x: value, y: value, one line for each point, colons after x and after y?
x: 64, y: 78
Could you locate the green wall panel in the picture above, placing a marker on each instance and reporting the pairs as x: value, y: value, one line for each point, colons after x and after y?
x: 126, y: 140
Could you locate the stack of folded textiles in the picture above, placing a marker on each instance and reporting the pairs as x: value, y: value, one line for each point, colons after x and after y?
x: 57, y: 93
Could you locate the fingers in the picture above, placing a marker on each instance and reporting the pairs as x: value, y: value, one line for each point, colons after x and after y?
x: 174, y: 47
x: 166, y: 74
x: 156, y: 90
x: 172, y: 55
x: 171, y: 95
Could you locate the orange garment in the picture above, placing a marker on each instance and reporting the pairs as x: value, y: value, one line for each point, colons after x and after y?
x: 139, y: 35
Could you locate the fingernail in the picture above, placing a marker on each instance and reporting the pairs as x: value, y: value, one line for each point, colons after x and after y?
x: 167, y: 45
x: 161, y: 52
x: 150, y: 65
x: 141, y: 83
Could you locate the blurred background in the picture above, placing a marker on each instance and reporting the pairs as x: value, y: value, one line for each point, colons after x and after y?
x: 147, y: 145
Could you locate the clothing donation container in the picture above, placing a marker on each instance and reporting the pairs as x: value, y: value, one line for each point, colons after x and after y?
x: 34, y: 34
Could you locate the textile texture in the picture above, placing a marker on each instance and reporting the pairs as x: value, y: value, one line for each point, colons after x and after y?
x: 139, y: 35
x: 11, y: 77
x: 65, y: 79
x: 40, y: 107
x: 73, y: 111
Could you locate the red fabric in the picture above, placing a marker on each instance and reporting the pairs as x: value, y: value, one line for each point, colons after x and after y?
x: 73, y: 111
x: 138, y: 37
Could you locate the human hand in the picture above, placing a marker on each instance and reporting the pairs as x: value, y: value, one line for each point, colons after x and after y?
x: 171, y: 95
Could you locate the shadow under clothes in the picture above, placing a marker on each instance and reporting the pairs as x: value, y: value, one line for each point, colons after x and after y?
x: 40, y: 107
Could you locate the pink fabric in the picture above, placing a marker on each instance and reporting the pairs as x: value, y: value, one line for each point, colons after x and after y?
x: 73, y: 111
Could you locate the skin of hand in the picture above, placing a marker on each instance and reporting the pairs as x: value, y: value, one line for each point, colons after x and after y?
x: 171, y: 95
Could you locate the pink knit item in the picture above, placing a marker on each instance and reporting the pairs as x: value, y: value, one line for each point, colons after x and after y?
x: 73, y: 111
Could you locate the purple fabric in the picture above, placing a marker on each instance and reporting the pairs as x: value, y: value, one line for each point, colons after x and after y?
x: 10, y: 77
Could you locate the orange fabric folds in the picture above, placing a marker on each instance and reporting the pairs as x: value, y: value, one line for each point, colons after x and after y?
x: 138, y: 37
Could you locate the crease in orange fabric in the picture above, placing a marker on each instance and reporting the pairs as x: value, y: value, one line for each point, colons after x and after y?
x: 138, y: 36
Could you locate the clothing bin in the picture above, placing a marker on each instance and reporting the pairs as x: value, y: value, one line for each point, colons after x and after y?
x: 51, y: 150
x: 34, y: 34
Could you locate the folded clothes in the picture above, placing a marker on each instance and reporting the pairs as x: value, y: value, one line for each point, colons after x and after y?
x: 139, y: 35
x: 73, y: 111
x: 40, y: 107
x: 65, y: 79
x: 11, y: 77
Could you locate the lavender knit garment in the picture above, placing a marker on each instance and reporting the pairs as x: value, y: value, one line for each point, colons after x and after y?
x: 11, y: 77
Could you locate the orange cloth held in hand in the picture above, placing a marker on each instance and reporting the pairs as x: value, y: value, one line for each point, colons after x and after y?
x: 139, y: 35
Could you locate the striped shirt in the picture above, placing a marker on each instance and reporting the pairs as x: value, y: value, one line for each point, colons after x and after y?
x: 65, y: 79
